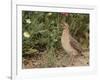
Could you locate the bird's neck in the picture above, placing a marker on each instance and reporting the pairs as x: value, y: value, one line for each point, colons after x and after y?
x: 66, y: 32
x: 66, y: 35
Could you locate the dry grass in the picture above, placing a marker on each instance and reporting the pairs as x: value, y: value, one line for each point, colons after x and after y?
x: 61, y: 60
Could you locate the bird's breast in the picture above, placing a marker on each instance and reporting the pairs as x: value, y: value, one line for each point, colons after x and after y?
x: 65, y: 41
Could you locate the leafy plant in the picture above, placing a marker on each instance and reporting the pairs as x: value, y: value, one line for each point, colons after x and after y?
x: 42, y: 31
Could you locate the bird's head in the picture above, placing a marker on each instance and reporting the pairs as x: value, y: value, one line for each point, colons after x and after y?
x: 65, y: 25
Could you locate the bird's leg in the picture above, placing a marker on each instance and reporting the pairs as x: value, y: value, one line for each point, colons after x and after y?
x: 71, y: 60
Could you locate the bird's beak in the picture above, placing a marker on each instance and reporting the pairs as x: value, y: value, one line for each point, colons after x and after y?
x: 64, y: 24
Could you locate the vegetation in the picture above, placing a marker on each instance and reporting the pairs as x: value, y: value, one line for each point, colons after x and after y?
x: 41, y: 32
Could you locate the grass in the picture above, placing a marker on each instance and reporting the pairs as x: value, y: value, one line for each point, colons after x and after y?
x: 41, y: 31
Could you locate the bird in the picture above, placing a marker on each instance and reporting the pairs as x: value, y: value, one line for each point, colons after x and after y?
x: 70, y: 44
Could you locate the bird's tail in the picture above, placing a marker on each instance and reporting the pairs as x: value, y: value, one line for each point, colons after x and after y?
x: 85, y: 50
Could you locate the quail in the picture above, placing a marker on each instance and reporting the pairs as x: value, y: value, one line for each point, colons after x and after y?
x: 69, y: 44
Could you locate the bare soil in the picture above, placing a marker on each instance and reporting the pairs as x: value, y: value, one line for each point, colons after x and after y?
x: 60, y: 59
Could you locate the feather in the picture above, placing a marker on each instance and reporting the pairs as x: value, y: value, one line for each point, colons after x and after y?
x: 75, y: 44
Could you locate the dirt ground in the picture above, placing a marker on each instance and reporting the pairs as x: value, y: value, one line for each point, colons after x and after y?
x: 60, y: 59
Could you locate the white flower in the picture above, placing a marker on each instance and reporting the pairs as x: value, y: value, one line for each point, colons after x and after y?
x: 49, y: 14
x: 26, y: 34
x: 28, y: 21
x: 55, y: 40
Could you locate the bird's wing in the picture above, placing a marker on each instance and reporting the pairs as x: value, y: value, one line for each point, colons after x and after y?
x: 74, y: 43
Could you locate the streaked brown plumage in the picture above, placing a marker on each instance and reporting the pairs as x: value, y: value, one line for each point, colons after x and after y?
x: 70, y: 45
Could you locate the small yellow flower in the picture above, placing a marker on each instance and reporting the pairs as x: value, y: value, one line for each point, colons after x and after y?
x: 49, y: 14
x: 26, y: 34
x: 28, y: 21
